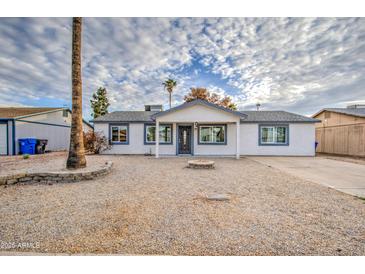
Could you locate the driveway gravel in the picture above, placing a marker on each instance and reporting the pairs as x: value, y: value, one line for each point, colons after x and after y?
x: 158, y: 206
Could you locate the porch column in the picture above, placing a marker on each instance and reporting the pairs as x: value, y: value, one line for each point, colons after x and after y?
x: 157, y: 137
x: 238, y: 139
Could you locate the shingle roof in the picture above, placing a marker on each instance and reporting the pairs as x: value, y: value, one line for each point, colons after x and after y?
x: 252, y: 116
x: 359, y: 112
x: 12, y: 112
x: 275, y: 116
x: 198, y: 102
x: 126, y: 116
x: 16, y: 112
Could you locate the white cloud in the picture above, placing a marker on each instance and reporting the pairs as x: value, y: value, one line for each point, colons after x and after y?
x: 278, y: 61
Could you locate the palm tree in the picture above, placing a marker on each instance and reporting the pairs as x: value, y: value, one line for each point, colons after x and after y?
x: 169, y: 85
x: 76, y: 154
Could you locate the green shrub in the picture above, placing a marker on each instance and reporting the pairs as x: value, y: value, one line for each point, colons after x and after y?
x: 25, y: 156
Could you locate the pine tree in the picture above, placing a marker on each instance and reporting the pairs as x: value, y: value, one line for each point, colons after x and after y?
x: 99, y: 103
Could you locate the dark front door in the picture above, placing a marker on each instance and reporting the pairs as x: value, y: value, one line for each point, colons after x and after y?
x: 184, y: 140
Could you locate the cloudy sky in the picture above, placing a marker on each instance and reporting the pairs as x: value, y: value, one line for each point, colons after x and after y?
x: 295, y: 64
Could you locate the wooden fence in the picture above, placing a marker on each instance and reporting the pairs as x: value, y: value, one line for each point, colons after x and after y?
x: 343, y: 140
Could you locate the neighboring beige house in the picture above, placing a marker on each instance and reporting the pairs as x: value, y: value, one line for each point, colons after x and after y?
x: 199, y: 128
x: 52, y: 124
x: 341, y: 130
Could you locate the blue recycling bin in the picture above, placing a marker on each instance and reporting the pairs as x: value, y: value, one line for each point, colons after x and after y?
x: 27, y: 145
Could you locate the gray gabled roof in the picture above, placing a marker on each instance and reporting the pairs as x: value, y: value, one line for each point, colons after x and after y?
x: 248, y: 117
x: 198, y: 102
x: 11, y: 113
x: 359, y: 112
x: 275, y: 116
x: 126, y: 116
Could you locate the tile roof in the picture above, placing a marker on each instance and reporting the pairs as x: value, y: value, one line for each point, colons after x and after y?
x: 13, y: 112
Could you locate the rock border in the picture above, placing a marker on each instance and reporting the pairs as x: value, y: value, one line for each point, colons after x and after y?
x: 55, y: 176
x: 201, y: 164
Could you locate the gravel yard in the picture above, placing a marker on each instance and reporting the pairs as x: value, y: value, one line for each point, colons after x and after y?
x: 55, y: 161
x: 157, y: 206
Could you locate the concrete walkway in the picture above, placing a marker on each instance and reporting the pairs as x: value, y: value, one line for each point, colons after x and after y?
x: 343, y: 176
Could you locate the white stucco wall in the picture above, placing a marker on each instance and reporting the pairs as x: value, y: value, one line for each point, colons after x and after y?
x: 6, y: 138
x: 301, y: 141
x: 10, y: 137
x: 3, y: 138
x: 58, y: 136
x: 200, y: 114
x: 228, y: 149
x: 55, y: 117
x: 136, y: 141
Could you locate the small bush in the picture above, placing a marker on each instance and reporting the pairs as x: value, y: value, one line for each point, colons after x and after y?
x: 95, y: 142
x: 26, y: 156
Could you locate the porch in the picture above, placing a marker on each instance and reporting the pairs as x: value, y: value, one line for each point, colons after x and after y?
x: 202, y: 128
x: 201, y: 138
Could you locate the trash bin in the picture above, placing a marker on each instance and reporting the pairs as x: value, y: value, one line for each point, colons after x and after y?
x: 41, y: 146
x: 27, y: 145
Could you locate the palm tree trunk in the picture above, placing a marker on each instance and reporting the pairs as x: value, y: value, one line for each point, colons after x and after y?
x: 76, y: 154
x: 170, y: 98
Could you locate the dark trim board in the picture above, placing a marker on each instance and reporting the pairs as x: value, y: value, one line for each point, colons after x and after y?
x: 213, y: 144
x: 13, y: 134
x: 154, y: 143
x: 274, y: 125
x: 118, y: 124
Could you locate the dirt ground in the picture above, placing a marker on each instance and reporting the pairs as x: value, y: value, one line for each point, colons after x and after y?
x: 55, y: 161
x: 344, y: 158
x: 158, y: 206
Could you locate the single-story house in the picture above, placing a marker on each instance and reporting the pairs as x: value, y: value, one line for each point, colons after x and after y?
x: 201, y: 128
x: 52, y: 124
x: 341, y: 131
